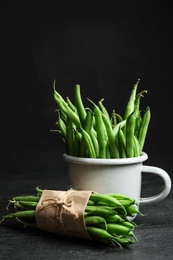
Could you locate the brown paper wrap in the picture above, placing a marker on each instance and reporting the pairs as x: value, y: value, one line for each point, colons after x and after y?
x: 61, y: 212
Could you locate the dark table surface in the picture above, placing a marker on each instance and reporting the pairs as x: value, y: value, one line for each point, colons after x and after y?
x: 22, y: 171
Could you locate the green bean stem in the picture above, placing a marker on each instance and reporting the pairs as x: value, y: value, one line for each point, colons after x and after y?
x: 103, y: 109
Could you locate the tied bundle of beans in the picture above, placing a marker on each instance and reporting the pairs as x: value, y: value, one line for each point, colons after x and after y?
x: 105, y: 216
x: 95, y: 133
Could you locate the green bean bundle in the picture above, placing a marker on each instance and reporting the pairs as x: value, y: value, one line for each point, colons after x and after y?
x: 94, y: 133
x: 105, y: 216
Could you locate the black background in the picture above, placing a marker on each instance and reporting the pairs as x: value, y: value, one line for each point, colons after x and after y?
x: 105, y: 49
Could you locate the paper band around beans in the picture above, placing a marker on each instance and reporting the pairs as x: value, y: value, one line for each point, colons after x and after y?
x: 61, y: 212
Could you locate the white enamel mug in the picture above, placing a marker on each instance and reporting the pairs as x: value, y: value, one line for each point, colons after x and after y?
x: 123, y: 176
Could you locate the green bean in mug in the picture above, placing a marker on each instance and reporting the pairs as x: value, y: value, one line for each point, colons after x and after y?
x: 105, y: 151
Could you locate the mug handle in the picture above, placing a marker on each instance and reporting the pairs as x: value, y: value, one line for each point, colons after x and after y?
x: 166, y: 190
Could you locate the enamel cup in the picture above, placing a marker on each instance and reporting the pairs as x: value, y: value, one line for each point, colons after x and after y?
x: 123, y: 176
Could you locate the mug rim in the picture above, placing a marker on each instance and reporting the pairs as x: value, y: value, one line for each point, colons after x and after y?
x: 106, y: 161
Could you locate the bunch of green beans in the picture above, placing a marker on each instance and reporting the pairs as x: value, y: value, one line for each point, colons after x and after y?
x: 105, y: 215
x: 95, y: 133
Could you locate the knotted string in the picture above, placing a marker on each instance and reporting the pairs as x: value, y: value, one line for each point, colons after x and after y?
x: 60, y: 205
x: 62, y: 212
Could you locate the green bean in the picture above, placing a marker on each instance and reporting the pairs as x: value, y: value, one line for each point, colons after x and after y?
x: 79, y: 104
x: 90, y: 202
x: 77, y: 142
x: 137, y: 111
x: 97, y: 221
x: 119, y: 196
x: 119, y: 126
x: 88, y: 121
x: 130, y: 107
x: 28, y: 204
x: 66, y: 109
x: 130, y: 129
x: 132, y: 210
x: 83, y: 147
x: 126, y: 202
x: 128, y: 224
x: 137, y: 103
x: 21, y: 214
x: 91, y: 220
x: 103, y: 236
x: 108, y: 151
x: 124, y: 240
x: 99, y: 233
x: 78, y: 135
x: 99, y: 225
x: 77, y: 147
x: 108, y: 199
x: 89, y: 144
x: 70, y: 137
x: 111, y: 138
x: 101, y: 131
x: 144, y: 128
x: 56, y: 94
x: 137, y: 151
x: 88, y: 126
x: 130, y: 104
x: 105, y: 198
x: 95, y: 142
x: 61, y: 125
x: 27, y: 198
x: 99, y: 210
x: 118, y: 229
x: 60, y: 100
x: 71, y: 105
x: 121, y: 144
x: 138, y: 125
